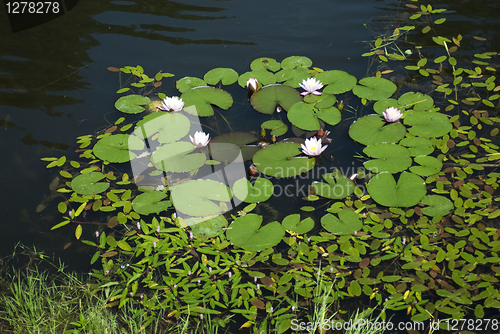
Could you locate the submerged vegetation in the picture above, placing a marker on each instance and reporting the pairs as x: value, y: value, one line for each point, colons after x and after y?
x: 414, y: 230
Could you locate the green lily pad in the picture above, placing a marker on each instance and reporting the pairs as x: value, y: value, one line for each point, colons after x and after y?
x: 263, y: 77
x: 195, y: 198
x: 292, y: 77
x: 150, y: 202
x: 131, y: 104
x: 408, y: 191
x: 88, y: 184
x: 347, y: 222
x: 338, y: 186
x: 429, y: 165
x: 294, y: 224
x: 246, y: 232
x: 280, y: 160
x: 199, y: 100
x: 428, y: 124
x: 170, y: 126
x: 261, y: 190
x: 265, y: 63
x: 324, y: 100
x: 389, y: 157
x: 305, y: 116
x: 373, y: 88
x: 210, y: 228
x: 175, y: 157
x: 227, y: 76
x: 277, y: 127
x: 419, y: 101
x: 380, y: 106
x: 296, y: 61
x: 372, y: 129
x: 116, y: 148
x: 239, y: 141
x: 336, y: 82
x: 418, y: 145
x: 267, y: 98
x: 437, y: 205
x: 188, y: 83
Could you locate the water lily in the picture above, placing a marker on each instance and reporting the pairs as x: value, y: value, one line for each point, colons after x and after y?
x: 200, y: 138
x: 312, y: 147
x: 173, y: 103
x: 252, y: 84
x: 311, y: 86
x: 392, y: 114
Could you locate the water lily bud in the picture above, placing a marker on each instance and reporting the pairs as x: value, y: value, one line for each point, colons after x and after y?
x: 278, y: 108
x: 252, y: 84
x: 273, y: 139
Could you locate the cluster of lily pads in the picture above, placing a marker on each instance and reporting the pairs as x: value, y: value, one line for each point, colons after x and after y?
x: 165, y: 241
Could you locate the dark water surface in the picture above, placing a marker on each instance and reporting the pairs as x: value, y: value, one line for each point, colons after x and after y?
x: 54, y: 85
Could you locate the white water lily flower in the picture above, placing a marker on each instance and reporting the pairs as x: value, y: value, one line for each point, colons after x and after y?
x: 311, y: 86
x: 173, y: 103
x: 252, y: 84
x: 392, y: 114
x: 312, y: 147
x: 200, y: 138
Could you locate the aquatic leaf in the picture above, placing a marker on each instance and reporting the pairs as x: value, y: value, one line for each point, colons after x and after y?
x: 338, y: 186
x: 305, y: 116
x: 210, y: 228
x: 199, y: 100
x: 263, y: 77
x: 267, y: 98
x: 295, y: 61
x: 88, y: 183
x: 175, y: 157
x: 170, y: 126
x: 428, y: 124
x: 429, y: 165
x: 246, y: 232
x: 280, y: 160
x: 336, y: 82
x: 260, y: 191
x: 417, y: 145
x: 150, y: 202
x: 116, y: 148
x: 437, y: 205
x: 294, y: 224
x: 408, y: 190
x: 277, y: 127
x: 78, y: 231
x: 188, y: 83
x: 227, y: 76
x: 419, y: 101
x: 381, y: 105
x: 372, y: 129
x: 131, y: 104
x: 292, y: 77
x: 265, y: 63
x: 322, y: 101
x: 389, y: 157
x: 196, y: 197
x: 373, y: 88
x: 347, y: 222
x: 237, y: 143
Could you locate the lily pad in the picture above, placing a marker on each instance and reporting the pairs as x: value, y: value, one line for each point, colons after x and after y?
x: 116, y: 148
x: 295, y: 61
x: 292, y: 77
x: 200, y: 197
x: 188, y: 83
x: 324, y: 101
x: 429, y: 165
x: 170, y: 126
x: 150, y: 202
x: 347, y: 222
x: 408, y: 191
x: 336, y: 82
x: 239, y: 141
x: 277, y: 127
x: 175, y: 157
x: 380, y: 106
x: 305, y: 116
x: 131, y: 104
x: 338, y: 186
x: 373, y: 88
x: 267, y: 98
x: 418, y: 145
x: 199, y: 100
x: 227, y: 76
x: 372, y: 129
x: 419, y: 101
x: 294, y: 224
x: 280, y: 160
x: 263, y: 77
x: 88, y: 184
x: 246, y: 232
x: 265, y: 63
x: 389, y: 157
x: 437, y: 205
x: 261, y: 190
x: 210, y: 228
x: 428, y: 124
